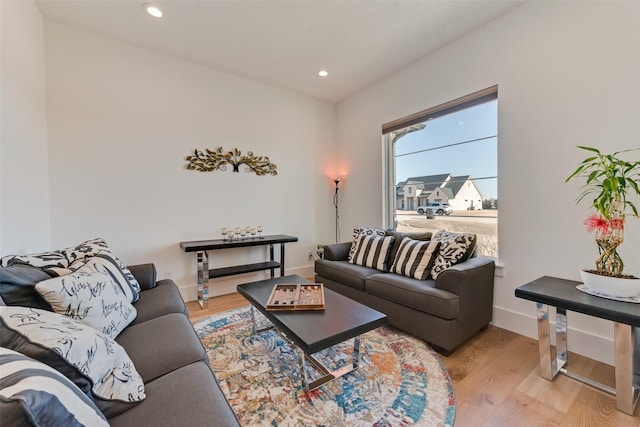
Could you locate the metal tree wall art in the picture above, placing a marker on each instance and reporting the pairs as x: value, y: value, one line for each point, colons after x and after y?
x: 218, y: 159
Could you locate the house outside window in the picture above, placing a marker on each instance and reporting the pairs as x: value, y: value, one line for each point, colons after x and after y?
x: 448, y: 154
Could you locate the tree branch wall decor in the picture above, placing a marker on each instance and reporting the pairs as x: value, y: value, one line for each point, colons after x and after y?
x: 218, y: 159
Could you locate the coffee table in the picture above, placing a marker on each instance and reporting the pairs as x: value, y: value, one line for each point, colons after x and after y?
x: 312, y: 331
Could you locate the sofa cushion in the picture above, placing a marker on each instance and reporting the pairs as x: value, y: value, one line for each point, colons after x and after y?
x: 357, y: 231
x: 189, y: 396
x: 34, y: 393
x: 17, y: 286
x: 162, y: 345
x: 87, y: 357
x: 399, y: 235
x: 96, y: 294
x: 454, y: 248
x: 163, y: 299
x: 415, y: 258
x: 60, y: 262
x: 372, y: 251
x: 341, y: 271
x: 421, y: 295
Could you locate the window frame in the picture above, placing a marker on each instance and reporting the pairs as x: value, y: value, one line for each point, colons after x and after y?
x: 389, y: 137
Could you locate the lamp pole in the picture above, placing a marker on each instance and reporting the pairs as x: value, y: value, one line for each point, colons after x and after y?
x: 335, y: 204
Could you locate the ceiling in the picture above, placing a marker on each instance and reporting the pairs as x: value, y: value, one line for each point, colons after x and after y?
x: 286, y: 43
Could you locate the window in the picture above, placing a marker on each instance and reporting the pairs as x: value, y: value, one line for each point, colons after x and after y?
x: 448, y: 155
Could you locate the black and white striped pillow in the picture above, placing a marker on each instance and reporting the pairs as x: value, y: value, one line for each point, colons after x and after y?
x: 359, y: 231
x: 415, y: 258
x: 35, y: 393
x: 372, y: 251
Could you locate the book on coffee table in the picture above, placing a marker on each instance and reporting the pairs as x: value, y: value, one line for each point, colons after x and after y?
x: 307, y: 296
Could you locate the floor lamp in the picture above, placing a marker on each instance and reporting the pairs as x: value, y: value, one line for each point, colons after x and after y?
x: 335, y: 204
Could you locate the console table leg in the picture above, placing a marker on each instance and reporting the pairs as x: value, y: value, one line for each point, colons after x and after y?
x: 271, y: 258
x: 203, y: 278
x: 561, y: 339
x: 627, y: 369
x: 544, y: 342
x: 281, y: 259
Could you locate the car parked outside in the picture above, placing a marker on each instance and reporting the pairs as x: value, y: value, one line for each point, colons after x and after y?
x: 438, y: 208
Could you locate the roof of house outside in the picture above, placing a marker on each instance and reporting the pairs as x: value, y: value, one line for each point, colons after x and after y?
x: 456, y: 183
x: 426, y: 183
x: 447, y: 192
x: 449, y: 185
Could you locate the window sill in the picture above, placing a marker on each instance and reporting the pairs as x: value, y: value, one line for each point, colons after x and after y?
x: 499, y: 270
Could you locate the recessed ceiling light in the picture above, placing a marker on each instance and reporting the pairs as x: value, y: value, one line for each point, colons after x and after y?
x: 152, y: 10
x: 323, y: 73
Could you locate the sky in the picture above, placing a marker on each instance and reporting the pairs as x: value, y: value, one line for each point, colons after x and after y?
x: 478, y: 159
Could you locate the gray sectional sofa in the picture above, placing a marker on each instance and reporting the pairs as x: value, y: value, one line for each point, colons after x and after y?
x: 179, y: 384
x: 444, y: 312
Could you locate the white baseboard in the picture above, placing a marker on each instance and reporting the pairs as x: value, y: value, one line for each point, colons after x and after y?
x: 584, y: 343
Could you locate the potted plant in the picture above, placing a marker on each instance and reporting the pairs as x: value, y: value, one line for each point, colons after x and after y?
x: 610, y: 183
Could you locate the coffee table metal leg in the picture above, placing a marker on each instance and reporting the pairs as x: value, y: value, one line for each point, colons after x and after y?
x: 327, y: 375
x: 303, y: 372
x: 253, y: 320
x: 356, y: 352
x: 254, y: 329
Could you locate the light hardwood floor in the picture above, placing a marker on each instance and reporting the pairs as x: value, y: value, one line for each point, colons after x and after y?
x: 497, y: 381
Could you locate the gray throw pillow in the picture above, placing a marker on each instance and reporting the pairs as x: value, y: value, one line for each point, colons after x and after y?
x: 17, y: 286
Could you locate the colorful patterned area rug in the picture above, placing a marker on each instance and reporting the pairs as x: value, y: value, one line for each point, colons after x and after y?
x: 400, y: 381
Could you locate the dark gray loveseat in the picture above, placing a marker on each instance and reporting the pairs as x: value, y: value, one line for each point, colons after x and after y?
x: 444, y: 312
x: 180, y: 387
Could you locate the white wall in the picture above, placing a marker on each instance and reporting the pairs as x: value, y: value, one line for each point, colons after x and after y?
x: 24, y: 185
x: 121, y: 122
x: 568, y: 75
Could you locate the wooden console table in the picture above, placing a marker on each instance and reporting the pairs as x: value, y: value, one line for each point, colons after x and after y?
x: 563, y: 295
x: 204, y: 273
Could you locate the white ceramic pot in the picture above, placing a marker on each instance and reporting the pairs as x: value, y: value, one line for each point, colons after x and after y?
x: 613, y: 286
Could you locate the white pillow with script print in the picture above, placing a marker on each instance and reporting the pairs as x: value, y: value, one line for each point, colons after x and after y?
x: 94, y: 294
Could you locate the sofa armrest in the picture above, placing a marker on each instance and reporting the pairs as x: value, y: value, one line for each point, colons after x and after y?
x: 145, y: 274
x: 472, y: 280
x: 476, y: 271
x: 337, y: 251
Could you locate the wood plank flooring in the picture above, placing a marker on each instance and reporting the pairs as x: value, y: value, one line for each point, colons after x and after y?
x: 497, y: 381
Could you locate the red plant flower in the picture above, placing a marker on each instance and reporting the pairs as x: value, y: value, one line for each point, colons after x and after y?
x: 597, y: 223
